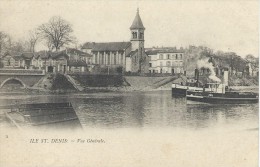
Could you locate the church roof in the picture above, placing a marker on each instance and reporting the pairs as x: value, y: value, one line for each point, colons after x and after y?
x: 132, y: 53
x: 88, y: 45
x: 111, y: 46
x: 137, y: 23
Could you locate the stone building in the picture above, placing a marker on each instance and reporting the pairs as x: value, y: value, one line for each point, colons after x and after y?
x: 130, y: 55
x: 166, y: 61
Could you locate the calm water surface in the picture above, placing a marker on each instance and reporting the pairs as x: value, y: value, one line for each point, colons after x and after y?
x: 146, y: 110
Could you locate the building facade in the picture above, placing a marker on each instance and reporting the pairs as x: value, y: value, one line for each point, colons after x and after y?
x: 130, y: 56
x: 68, y: 60
x: 166, y: 61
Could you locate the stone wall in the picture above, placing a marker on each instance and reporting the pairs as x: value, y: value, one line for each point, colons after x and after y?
x: 88, y: 80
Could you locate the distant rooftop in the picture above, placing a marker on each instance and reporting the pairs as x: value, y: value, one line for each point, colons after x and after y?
x: 154, y: 51
x: 107, y: 46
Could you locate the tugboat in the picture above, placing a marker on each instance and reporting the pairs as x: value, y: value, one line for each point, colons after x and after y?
x: 181, y: 89
x: 218, y: 95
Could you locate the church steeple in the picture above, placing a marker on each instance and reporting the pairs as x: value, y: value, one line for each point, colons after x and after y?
x: 137, y: 32
x: 137, y: 41
x: 137, y: 23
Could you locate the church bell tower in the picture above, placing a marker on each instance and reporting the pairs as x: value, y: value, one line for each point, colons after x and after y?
x: 137, y: 40
x: 137, y: 33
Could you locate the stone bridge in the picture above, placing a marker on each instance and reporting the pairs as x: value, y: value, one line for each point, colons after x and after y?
x: 26, y: 77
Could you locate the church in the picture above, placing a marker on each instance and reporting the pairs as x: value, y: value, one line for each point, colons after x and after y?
x: 130, y: 55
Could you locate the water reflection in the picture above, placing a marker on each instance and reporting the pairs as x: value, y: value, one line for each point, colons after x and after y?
x: 146, y: 110
x: 160, y: 109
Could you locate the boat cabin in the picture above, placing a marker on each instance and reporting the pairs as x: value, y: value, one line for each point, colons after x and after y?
x: 214, y: 87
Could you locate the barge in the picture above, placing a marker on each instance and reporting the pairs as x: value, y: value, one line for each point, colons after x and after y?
x: 38, y: 114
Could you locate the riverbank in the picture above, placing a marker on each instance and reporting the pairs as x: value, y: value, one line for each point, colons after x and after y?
x: 60, y: 84
x: 167, y: 87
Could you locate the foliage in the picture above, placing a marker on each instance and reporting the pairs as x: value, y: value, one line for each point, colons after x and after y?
x: 5, y: 42
x: 33, y: 38
x: 57, y: 32
x: 221, y: 59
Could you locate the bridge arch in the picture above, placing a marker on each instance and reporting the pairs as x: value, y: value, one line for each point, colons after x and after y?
x: 12, y: 78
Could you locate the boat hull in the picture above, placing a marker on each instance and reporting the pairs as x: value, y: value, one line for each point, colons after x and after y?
x: 179, y: 92
x: 227, y: 98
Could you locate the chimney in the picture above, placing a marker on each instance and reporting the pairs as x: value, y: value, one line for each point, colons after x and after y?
x: 225, y: 78
x: 196, y: 74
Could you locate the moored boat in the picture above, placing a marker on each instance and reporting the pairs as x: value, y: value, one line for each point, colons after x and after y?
x: 218, y: 95
x: 180, y: 89
x: 37, y: 114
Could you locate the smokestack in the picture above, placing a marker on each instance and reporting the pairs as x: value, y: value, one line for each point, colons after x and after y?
x: 197, y: 74
x: 225, y: 78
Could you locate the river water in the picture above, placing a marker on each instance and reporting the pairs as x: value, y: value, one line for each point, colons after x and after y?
x: 154, y: 109
x: 139, y: 129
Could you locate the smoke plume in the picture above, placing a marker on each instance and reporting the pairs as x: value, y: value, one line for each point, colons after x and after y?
x: 204, y: 63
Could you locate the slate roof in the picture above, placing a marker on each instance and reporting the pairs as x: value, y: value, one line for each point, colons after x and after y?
x: 111, y: 46
x: 56, y: 55
x: 154, y: 52
x: 27, y: 55
x: 88, y: 45
x: 151, y: 52
x: 43, y: 54
x: 17, y: 57
x: 76, y: 51
x: 132, y: 53
x: 137, y: 23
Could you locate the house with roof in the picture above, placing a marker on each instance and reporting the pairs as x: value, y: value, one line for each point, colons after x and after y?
x: 15, y: 60
x: 79, y: 61
x: 130, y: 56
x: 27, y: 58
x: 166, y: 60
x: 68, y: 60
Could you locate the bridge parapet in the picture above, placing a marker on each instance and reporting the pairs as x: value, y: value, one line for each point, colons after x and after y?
x: 21, y: 72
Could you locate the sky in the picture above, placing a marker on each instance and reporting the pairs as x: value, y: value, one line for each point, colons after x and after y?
x: 221, y: 25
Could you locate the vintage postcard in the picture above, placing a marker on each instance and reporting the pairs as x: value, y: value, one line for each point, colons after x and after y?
x: 129, y: 83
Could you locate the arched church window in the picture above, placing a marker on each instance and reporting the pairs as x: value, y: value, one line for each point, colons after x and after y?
x: 134, y: 35
x: 141, y: 35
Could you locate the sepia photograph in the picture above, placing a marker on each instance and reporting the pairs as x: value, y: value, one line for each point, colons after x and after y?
x: 135, y: 83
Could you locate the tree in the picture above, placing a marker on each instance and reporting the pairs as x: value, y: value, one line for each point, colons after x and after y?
x: 250, y: 58
x: 58, y: 32
x: 34, y: 36
x: 19, y: 47
x: 5, y: 43
x: 253, y: 61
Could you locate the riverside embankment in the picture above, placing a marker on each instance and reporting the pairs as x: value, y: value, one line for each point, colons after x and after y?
x: 96, y: 83
x: 60, y: 83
